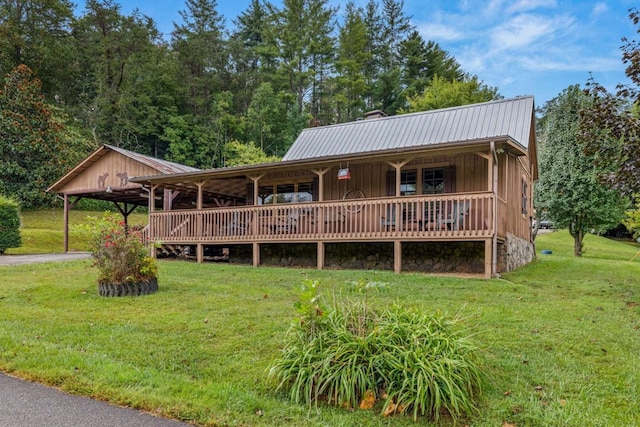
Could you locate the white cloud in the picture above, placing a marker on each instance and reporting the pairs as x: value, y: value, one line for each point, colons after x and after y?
x: 599, y: 9
x: 526, y: 30
x: 440, y: 32
x: 529, y: 5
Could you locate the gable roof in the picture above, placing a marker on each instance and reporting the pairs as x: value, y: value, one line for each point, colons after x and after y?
x: 512, y: 118
x: 163, y: 167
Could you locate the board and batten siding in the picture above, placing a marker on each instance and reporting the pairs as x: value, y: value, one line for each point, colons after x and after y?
x: 108, y: 171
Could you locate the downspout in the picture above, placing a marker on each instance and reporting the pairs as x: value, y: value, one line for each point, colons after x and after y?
x: 494, y: 249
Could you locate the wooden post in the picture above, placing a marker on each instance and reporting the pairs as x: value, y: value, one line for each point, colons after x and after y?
x: 66, y: 223
x: 320, y: 255
x: 256, y: 254
x: 488, y: 258
x: 199, y: 225
x: 397, y: 256
x: 151, y: 207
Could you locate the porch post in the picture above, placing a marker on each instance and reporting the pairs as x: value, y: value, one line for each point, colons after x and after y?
x: 488, y: 258
x: 66, y: 223
x: 151, y: 207
x: 254, y: 223
x: 256, y: 254
x: 320, y: 223
x: 199, y: 246
x: 320, y: 255
x: 320, y: 172
x: 397, y: 256
x: 167, y: 200
x: 493, y: 164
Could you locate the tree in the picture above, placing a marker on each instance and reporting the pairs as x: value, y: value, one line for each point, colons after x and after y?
x: 442, y: 93
x: 37, y: 34
x: 568, y: 190
x: 300, y: 36
x: 112, y: 49
x: 248, y: 53
x: 422, y: 62
x: 351, y: 60
x: 34, y: 148
x: 201, y: 50
x: 610, y: 125
x: 396, y: 26
x: 238, y: 154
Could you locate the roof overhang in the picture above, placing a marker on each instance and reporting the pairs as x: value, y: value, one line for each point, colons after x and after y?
x: 181, y: 179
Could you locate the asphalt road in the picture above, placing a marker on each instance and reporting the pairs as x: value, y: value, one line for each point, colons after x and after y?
x: 26, y: 404
x: 30, y: 259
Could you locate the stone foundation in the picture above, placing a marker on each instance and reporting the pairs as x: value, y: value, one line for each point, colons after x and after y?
x: 428, y: 257
x: 513, y: 253
x: 289, y: 255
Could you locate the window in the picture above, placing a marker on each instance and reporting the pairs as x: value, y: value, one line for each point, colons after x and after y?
x: 285, y: 193
x: 433, y: 181
x: 408, y: 182
x: 525, y: 198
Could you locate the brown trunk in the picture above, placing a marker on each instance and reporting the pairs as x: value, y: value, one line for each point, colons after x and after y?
x: 577, y: 243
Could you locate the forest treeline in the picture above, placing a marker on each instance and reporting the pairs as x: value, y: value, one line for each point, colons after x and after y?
x: 214, y: 92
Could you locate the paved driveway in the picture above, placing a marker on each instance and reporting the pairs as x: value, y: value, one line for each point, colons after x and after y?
x: 26, y: 404
x: 29, y: 259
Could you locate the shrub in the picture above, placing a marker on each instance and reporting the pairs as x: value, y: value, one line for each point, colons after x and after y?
x: 118, y: 251
x: 350, y: 355
x: 9, y: 224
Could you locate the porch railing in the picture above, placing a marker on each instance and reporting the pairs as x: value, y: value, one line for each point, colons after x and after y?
x: 456, y: 216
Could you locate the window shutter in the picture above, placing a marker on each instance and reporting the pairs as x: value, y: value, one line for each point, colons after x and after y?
x: 450, y: 179
x: 391, y: 183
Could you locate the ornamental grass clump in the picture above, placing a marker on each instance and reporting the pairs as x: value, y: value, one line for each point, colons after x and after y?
x: 400, y: 360
x: 119, y: 251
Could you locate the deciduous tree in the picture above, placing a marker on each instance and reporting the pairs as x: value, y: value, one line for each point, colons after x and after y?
x: 34, y: 150
x: 442, y: 93
x: 568, y: 190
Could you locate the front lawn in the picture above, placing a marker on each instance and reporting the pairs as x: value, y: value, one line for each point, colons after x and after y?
x: 559, y: 339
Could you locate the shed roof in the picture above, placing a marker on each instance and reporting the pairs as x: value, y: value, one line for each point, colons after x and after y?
x: 511, y: 118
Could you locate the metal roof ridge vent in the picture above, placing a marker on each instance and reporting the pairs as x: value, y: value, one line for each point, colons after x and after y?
x: 374, y: 114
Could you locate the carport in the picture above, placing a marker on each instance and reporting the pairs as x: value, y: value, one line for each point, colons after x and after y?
x: 104, y: 175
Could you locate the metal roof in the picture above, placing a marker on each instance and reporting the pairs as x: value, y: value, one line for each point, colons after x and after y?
x: 163, y: 166
x: 511, y: 118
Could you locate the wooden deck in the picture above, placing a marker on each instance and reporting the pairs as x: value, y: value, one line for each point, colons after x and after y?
x: 463, y: 216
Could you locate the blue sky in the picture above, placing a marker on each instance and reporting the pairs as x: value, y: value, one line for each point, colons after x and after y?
x: 524, y: 47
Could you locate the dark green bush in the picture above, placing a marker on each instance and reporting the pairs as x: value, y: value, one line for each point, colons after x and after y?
x: 412, y: 362
x: 9, y: 224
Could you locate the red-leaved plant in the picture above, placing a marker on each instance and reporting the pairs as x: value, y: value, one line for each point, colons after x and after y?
x: 119, y: 251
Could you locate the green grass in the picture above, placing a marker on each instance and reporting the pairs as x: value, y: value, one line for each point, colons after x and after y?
x: 42, y: 231
x: 559, y: 339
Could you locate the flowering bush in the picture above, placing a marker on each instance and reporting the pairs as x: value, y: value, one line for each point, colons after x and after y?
x: 119, y: 251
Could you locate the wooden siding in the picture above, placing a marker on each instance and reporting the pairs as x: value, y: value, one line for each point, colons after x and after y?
x: 466, y: 216
x: 114, y: 168
x: 511, y: 218
x: 470, y: 176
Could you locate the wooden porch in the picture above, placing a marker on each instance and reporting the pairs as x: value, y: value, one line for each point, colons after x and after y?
x: 450, y: 217
x: 454, y: 217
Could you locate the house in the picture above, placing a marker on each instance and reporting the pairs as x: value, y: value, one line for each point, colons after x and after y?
x: 437, y: 191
